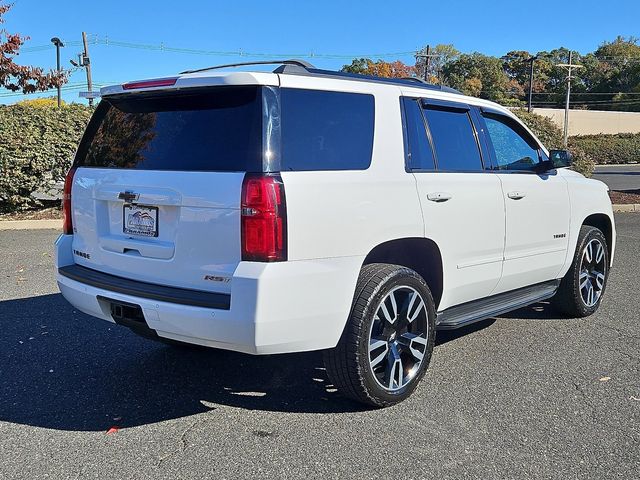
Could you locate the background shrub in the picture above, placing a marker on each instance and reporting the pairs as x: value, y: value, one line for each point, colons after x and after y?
x: 551, y: 137
x: 618, y: 148
x: 37, y: 145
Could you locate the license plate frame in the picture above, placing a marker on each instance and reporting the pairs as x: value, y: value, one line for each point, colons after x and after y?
x: 145, y: 223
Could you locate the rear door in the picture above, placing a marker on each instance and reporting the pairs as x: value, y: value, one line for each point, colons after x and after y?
x: 156, y: 193
x: 537, y: 205
x: 462, y: 203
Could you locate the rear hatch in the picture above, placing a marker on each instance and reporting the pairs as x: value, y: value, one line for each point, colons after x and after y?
x: 158, y: 180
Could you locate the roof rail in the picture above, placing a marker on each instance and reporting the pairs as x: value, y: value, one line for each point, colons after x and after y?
x: 301, y: 67
x: 415, y: 79
x: 293, y: 61
x: 410, y: 81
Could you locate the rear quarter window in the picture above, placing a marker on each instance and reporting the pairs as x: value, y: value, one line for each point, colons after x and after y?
x: 324, y: 130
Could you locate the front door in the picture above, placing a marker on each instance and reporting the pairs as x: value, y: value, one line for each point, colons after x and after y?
x: 536, y: 206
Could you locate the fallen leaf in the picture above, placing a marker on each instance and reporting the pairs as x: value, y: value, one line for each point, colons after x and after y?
x: 113, y: 430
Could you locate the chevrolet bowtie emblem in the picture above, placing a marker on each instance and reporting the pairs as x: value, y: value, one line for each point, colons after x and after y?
x: 128, y: 196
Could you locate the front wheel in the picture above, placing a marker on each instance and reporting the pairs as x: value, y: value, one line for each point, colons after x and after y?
x: 386, y: 346
x: 583, y: 286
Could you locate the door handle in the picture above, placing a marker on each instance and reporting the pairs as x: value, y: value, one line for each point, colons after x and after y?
x: 439, y: 196
x: 517, y: 195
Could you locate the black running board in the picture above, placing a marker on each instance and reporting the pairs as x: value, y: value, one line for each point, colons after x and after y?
x: 461, y: 315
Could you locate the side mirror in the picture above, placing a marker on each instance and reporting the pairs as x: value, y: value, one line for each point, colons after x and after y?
x: 560, y: 158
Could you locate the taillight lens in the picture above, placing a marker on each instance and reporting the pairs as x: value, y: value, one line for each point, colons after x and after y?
x: 67, y: 225
x: 160, y: 82
x: 264, y: 219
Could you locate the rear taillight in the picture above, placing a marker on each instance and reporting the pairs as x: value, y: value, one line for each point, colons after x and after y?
x: 264, y: 219
x: 67, y: 225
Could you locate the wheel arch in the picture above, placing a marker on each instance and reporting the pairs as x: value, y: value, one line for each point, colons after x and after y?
x: 603, y: 222
x: 419, y: 254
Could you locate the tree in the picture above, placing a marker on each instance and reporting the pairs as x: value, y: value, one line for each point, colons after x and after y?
x: 439, y: 56
x: 620, y: 60
x: 366, y: 66
x: 16, y: 77
x: 478, y: 75
x: 358, y: 65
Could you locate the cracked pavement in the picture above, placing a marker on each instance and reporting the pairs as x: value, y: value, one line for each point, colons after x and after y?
x: 527, y: 395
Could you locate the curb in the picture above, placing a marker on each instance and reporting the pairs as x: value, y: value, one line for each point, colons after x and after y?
x: 32, y: 224
x: 630, y: 207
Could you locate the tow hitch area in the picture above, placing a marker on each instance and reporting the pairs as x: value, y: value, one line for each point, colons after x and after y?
x: 129, y: 315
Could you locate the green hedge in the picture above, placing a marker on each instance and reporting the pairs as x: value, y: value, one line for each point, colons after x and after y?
x: 604, y: 149
x: 37, y: 145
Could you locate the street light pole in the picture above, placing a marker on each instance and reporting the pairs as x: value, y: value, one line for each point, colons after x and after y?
x: 86, y: 62
x: 569, y: 66
x: 58, y: 43
x: 531, y: 60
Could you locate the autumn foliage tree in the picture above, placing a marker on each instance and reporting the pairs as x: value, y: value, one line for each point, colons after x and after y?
x: 366, y: 66
x: 14, y: 77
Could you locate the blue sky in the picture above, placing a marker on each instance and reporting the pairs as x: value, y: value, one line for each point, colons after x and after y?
x: 328, y: 29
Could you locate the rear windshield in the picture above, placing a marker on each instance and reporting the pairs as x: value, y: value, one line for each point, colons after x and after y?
x: 210, y: 130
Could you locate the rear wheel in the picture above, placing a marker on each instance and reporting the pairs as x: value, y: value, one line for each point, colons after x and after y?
x: 583, y: 286
x: 387, y: 343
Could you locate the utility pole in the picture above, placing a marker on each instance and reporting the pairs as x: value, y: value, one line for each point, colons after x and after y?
x: 86, y: 63
x: 569, y: 66
x: 58, y: 43
x: 427, y: 61
x: 531, y: 61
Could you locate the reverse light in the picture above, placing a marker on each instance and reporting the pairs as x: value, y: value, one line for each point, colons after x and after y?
x: 263, y: 219
x: 67, y: 224
x: 159, y: 82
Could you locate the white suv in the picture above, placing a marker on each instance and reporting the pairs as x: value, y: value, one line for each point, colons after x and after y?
x: 303, y: 209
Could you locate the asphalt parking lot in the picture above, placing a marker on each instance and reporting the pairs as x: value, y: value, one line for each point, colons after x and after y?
x: 527, y: 395
x: 619, y: 177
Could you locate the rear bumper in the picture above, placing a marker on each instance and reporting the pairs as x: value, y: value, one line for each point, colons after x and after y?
x: 274, y: 307
x: 183, y: 296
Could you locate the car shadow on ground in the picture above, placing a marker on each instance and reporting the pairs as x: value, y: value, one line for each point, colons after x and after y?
x: 61, y: 369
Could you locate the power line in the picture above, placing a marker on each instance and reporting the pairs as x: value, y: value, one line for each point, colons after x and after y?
x: 106, y: 41
x: 587, y: 93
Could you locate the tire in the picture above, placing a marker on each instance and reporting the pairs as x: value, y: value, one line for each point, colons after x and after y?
x: 400, y: 349
x: 582, y: 288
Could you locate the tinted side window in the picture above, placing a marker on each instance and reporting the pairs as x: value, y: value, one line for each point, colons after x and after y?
x: 326, y: 130
x: 512, y: 151
x: 453, y: 139
x: 419, y: 153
